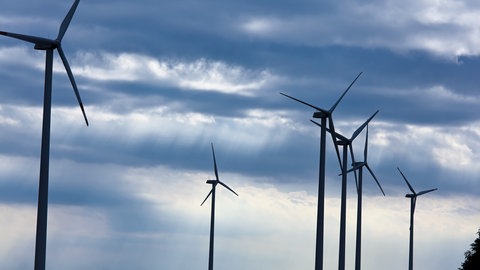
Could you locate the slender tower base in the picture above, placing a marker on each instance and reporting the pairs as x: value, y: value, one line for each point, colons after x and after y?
x: 343, y: 210
x: 410, y: 252
x: 212, y: 229
x: 42, y: 210
x: 358, y: 248
x: 321, y: 197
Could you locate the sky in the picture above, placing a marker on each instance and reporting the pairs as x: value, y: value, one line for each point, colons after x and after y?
x: 162, y: 80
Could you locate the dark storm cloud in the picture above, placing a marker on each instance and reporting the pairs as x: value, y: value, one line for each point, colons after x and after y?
x: 336, y: 63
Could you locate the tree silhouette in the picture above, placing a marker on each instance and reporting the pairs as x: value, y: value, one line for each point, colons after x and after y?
x: 472, y: 256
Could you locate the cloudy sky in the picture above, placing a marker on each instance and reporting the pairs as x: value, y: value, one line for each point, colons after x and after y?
x: 161, y: 80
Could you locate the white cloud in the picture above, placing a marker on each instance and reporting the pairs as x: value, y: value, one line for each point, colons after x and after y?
x: 444, y: 94
x: 454, y: 153
x: 22, y: 55
x: 261, y: 25
x: 201, y: 74
x: 18, y: 225
x: 452, y: 148
x: 254, y: 130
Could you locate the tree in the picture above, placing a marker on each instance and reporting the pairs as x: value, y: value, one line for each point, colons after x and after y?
x: 472, y: 256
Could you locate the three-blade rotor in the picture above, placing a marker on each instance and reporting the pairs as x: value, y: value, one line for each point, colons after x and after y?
x: 50, y: 44
x: 357, y: 165
x: 414, y: 194
x: 217, y: 180
x: 349, y: 143
x: 322, y: 113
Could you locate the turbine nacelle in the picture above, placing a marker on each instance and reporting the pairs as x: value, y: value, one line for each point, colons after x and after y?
x: 216, y: 181
x: 411, y: 195
x: 342, y: 142
x: 358, y: 164
x: 320, y: 114
x: 46, y: 46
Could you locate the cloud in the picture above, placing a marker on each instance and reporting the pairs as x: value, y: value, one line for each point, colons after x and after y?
x: 436, y: 94
x: 168, y: 215
x: 201, y: 74
x: 253, y: 130
x: 21, y: 55
x: 452, y: 148
x: 444, y: 28
x: 159, y: 90
x: 19, y: 232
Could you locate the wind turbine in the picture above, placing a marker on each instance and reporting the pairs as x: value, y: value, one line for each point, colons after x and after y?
x: 359, y: 166
x: 48, y: 45
x: 212, y: 216
x: 323, y: 115
x: 413, y: 200
x: 345, y: 143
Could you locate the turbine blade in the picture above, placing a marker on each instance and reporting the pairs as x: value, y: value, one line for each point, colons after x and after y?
x: 211, y: 190
x: 409, y: 186
x: 356, y: 167
x: 353, y: 162
x: 332, y: 128
x: 338, y: 135
x: 303, y: 102
x: 215, y: 163
x: 375, y: 178
x: 72, y: 80
x: 316, y: 123
x: 365, y: 150
x: 67, y: 20
x: 27, y: 38
x: 351, y: 153
x: 426, y: 191
x: 357, y: 132
x: 227, y: 187
x: 414, y: 203
x: 338, y: 101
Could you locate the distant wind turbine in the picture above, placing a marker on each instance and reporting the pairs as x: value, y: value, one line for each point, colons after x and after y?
x: 48, y: 45
x: 359, y: 166
x: 347, y: 143
x: 413, y: 200
x: 323, y: 115
x: 212, y: 216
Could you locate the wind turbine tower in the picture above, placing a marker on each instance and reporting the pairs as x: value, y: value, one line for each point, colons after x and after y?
x: 346, y: 143
x: 323, y: 115
x: 212, y: 215
x: 48, y: 45
x: 359, y: 166
x: 413, y: 200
